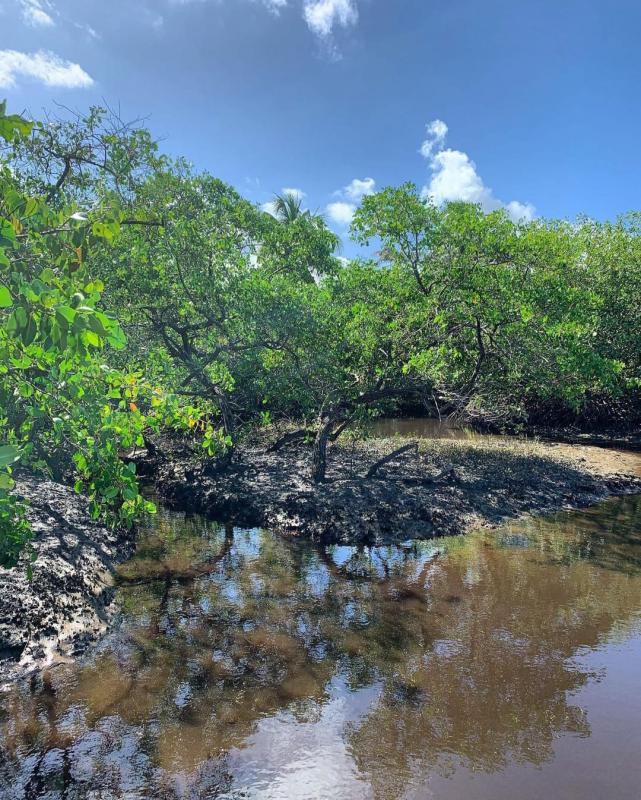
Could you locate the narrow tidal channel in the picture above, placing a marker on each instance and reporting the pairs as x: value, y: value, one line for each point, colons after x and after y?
x: 498, y: 665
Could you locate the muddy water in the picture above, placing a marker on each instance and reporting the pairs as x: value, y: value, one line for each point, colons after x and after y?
x: 499, y: 665
x: 421, y: 427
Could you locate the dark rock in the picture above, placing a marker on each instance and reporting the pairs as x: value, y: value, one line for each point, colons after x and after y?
x: 69, y: 600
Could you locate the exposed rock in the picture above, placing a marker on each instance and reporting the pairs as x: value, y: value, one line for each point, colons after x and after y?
x: 68, y: 601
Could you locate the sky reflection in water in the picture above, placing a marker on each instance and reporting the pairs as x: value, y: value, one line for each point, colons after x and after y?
x: 499, y: 664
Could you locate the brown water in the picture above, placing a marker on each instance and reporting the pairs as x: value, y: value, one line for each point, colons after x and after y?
x: 420, y: 427
x: 501, y: 665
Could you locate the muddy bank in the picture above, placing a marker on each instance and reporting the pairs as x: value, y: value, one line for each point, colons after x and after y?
x: 445, y: 488
x: 68, y: 602
x: 611, y: 439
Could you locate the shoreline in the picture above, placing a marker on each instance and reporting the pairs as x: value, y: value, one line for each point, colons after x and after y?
x: 69, y: 603
x: 446, y: 488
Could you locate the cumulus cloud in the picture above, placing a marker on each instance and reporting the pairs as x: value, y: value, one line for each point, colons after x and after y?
x: 342, y: 211
x: 358, y: 188
x: 520, y: 211
x: 322, y: 16
x: 435, y: 133
x: 454, y: 176
x: 37, y: 13
x: 43, y: 66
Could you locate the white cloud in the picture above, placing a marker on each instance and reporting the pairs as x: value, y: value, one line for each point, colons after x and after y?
x: 341, y: 212
x: 435, y: 131
x: 357, y: 189
x: 36, y: 13
x: 274, y: 6
x: 322, y: 15
x: 520, y: 211
x: 454, y: 176
x: 43, y: 66
x: 92, y: 33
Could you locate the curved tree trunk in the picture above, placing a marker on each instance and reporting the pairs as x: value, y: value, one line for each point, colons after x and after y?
x: 289, y: 438
x: 371, y: 472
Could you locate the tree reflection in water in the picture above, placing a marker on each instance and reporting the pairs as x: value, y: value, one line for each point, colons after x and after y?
x: 248, y: 660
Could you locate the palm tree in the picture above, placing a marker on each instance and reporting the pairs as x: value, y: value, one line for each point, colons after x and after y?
x: 287, y: 207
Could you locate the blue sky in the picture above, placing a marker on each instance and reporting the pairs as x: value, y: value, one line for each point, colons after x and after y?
x: 534, y: 105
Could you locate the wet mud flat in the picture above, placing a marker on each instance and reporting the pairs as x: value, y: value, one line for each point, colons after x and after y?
x: 68, y: 603
x: 440, y: 488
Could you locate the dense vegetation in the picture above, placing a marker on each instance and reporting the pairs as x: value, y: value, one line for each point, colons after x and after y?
x: 137, y: 295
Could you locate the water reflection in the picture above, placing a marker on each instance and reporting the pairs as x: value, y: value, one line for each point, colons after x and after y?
x: 249, y: 666
x: 422, y: 428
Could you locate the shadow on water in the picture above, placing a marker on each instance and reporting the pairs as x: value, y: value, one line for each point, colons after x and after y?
x: 248, y: 665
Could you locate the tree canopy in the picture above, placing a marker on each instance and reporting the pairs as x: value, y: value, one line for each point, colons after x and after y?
x: 137, y: 295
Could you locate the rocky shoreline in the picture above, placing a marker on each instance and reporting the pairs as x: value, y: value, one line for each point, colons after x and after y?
x: 68, y: 603
x: 438, y: 488
x: 442, y: 488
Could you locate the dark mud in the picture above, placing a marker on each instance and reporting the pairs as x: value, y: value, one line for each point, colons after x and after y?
x: 68, y: 603
x: 445, y: 488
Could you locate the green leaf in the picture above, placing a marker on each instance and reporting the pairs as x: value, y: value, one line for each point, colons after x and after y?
x: 91, y: 338
x: 6, y: 481
x: 96, y: 325
x: 105, y: 231
x: 30, y: 331
x: 12, y: 126
x: 65, y: 315
x: 22, y: 363
x: 9, y: 454
x: 5, y: 297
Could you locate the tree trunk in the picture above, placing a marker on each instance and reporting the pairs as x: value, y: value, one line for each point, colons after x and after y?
x: 228, y: 420
x: 152, y: 450
x: 289, y: 438
x: 390, y: 457
x: 319, y: 451
x: 228, y: 427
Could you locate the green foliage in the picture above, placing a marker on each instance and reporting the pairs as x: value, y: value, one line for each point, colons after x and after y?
x: 507, y: 314
x: 66, y: 411
x: 136, y: 296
